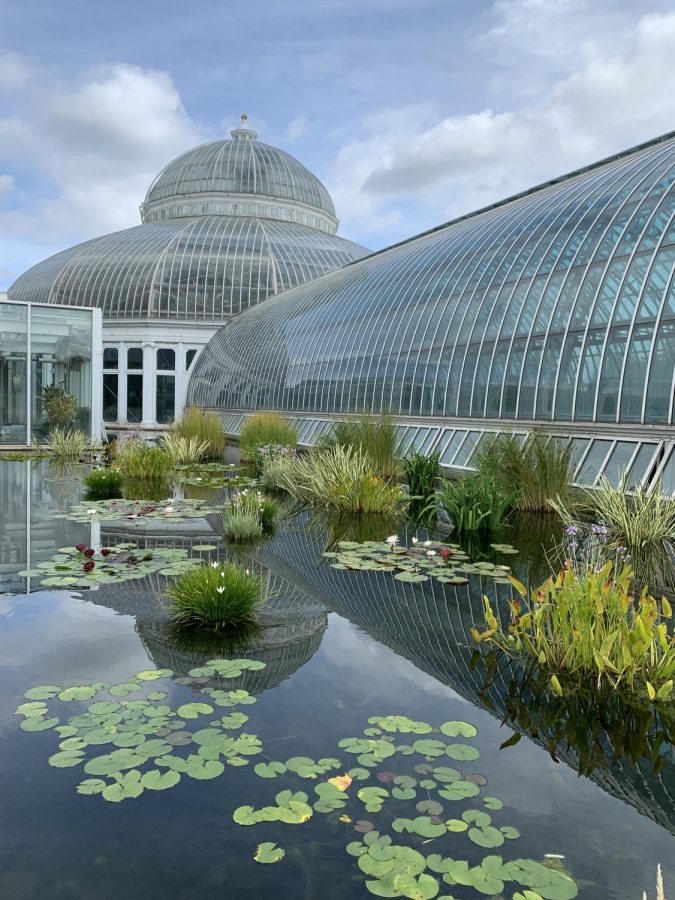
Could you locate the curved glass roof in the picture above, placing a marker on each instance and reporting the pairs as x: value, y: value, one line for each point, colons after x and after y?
x: 244, y: 167
x: 558, y: 304
x: 206, y: 269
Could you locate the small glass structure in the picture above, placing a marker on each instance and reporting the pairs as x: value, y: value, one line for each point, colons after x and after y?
x: 50, y: 370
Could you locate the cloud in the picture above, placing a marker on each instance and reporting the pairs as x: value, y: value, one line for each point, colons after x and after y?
x: 413, y: 167
x: 6, y: 184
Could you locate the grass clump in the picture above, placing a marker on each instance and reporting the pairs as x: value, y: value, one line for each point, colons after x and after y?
x: 103, y: 484
x: 589, y: 624
x: 421, y: 473
x: 474, y: 503
x: 531, y: 473
x: 203, y: 427
x: 266, y: 429
x: 216, y: 597
x: 274, y: 470
x: 184, y: 451
x: 65, y: 443
x: 374, y: 436
x: 134, y: 459
x: 341, y: 479
x: 248, y: 515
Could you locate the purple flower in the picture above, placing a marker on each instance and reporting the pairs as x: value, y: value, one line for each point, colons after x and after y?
x: 571, y: 530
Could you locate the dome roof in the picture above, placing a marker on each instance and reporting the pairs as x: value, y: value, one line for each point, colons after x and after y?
x: 224, y: 177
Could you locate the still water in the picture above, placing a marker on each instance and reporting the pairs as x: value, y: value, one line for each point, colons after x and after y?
x: 339, y: 648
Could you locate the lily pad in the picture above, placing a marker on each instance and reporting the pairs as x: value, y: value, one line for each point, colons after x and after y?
x: 268, y: 852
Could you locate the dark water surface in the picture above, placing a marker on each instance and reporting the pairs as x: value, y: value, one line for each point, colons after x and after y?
x: 340, y: 647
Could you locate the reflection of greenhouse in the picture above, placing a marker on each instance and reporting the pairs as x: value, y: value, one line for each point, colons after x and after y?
x: 430, y: 626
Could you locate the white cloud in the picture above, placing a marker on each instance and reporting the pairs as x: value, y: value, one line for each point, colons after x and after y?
x: 6, y: 184
x: 296, y: 128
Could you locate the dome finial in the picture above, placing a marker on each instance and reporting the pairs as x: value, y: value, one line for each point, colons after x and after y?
x: 243, y: 133
x: 244, y: 120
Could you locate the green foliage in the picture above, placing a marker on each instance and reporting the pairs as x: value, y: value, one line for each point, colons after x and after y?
x: 591, y: 627
x: 241, y: 528
x: 475, y: 502
x: 203, y: 427
x: 341, y: 479
x: 248, y: 514
x: 134, y: 459
x: 184, y: 451
x: 65, y: 444
x: 532, y: 472
x: 264, y: 429
x: 273, y: 471
x: 216, y: 596
x: 136, y: 512
x: 60, y: 406
x: 421, y: 473
x: 374, y: 436
x: 103, y: 484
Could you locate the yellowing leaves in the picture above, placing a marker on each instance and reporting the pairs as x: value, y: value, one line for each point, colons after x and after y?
x: 341, y: 782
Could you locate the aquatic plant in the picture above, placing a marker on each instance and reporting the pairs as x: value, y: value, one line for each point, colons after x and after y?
x: 341, y: 479
x: 241, y: 528
x: 374, y: 436
x: 421, y: 471
x: 474, y: 503
x: 532, y: 472
x: 134, y: 459
x: 66, y: 443
x: 265, y: 429
x: 265, y: 454
x: 136, y: 512
x: 203, y: 427
x: 248, y: 514
x: 446, y: 563
x: 274, y: 470
x: 184, y: 451
x: 103, y: 484
x: 217, y: 596
x: 85, y: 566
x: 590, y: 627
x: 213, y: 475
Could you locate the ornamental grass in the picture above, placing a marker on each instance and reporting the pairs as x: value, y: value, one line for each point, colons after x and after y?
x: 474, y: 503
x: 266, y: 429
x: 134, y: 459
x: 203, y: 427
x: 103, y: 484
x: 375, y: 436
x: 66, y: 443
x: 184, y: 451
x: 218, y: 596
x: 248, y: 515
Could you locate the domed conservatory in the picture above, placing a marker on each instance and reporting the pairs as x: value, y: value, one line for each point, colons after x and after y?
x: 224, y: 226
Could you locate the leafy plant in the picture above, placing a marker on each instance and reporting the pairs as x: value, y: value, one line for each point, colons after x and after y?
x: 374, y: 436
x: 60, y: 406
x: 474, y: 503
x: 103, y: 484
x: 421, y: 471
x: 590, y: 627
x: 203, y: 427
x: 261, y: 456
x: 217, y: 596
x: 274, y: 470
x: 248, y: 515
x: 265, y: 429
x: 342, y: 479
x: 66, y: 444
x: 530, y: 473
x: 241, y: 528
x: 134, y: 459
x: 183, y: 451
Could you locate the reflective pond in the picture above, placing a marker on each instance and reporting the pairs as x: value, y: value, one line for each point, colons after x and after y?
x: 452, y: 770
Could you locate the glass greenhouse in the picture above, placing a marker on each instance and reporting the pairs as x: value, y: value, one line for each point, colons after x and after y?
x: 554, y: 306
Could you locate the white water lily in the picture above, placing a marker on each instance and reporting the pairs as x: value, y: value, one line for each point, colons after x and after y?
x: 427, y: 543
x: 431, y: 553
x: 92, y: 512
x: 169, y: 509
x: 414, y: 540
x: 392, y: 539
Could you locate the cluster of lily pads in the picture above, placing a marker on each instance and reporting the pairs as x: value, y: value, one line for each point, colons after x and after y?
x: 447, y: 563
x: 432, y: 857
x: 136, y: 512
x: 146, y: 743
x: 213, y: 475
x: 82, y: 566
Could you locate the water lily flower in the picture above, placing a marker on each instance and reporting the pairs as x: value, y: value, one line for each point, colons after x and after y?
x: 80, y: 548
x: 427, y: 543
x: 92, y: 512
x: 431, y: 553
x: 169, y: 509
x: 414, y: 540
x: 131, y: 516
x: 392, y: 540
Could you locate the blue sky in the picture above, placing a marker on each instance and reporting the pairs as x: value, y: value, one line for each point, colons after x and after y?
x: 410, y: 111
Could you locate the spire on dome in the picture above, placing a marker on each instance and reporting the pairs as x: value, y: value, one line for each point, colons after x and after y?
x: 244, y: 133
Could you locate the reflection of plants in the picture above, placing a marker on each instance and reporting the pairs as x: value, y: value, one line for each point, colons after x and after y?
x: 137, y: 511
x: 591, y: 627
x: 218, y: 596
x: 64, y: 444
x: 84, y: 566
x: 146, y: 489
x: 103, y: 484
x: 60, y: 406
x: 417, y: 797
x: 143, y: 737
x: 474, y: 503
x: 184, y: 451
x: 446, y: 563
x: 203, y: 426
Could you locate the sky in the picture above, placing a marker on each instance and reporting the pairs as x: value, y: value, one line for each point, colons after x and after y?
x: 411, y: 112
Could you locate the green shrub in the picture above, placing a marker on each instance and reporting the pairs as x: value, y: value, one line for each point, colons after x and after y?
x: 135, y: 459
x: 241, y: 528
x: 274, y: 470
x: 341, y: 479
x: 374, y: 436
x: 421, y: 473
x: 217, y: 596
x: 532, y: 472
x: 248, y: 515
x: 184, y: 451
x: 204, y: 427
x: 60, y: 406
x: 266, y: 429
x: 474, y: 503
x: 103, y: 484
x: 66, y: 444
x: 591, y: 626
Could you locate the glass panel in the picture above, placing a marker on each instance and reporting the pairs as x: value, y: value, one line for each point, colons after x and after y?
x: 110, y: 405
x: 467, y: 448
x: 166, y: 398
x: 635, y: 375
x: 641, y: 464
x: 618, y: 461
x: 667, y: 479
x: 452, y: 447
x: 134, y: 398
x: 135, y: 358
x: 189, y: 357
x: 578, y: 449
x: 421, y: 438
x: 166, y: 359
x: 660, y: 388
x: 408, y: 439
x: 590, y: 468
x: 110, y: 358
x: 610, y: 377
x: 430, y: 440
x: 13, y: 373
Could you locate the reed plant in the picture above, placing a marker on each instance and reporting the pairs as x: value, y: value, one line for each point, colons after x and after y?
x: 342, y: 479
x: 474, y: 503
x: 531, y: 472
x: 134, y: 459
x: 590, y: 626
x: 184, y: 451
x: 374, y: 436
x: 266, y: 429
x: 248, y: 515
x: 273, y: 471
x: 218, y: 596
x: 65, y: 443
x: 203, y: 427
x: 103, y: 484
